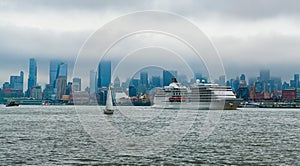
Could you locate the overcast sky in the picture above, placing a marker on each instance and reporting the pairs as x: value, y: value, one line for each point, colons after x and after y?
x: 249, y: 35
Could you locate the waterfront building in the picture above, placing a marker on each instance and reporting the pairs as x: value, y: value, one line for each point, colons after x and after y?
x: 81, y: 97
x: 297, y: 99
x: 289, y: 95
x: 36, y: 92
x: 104, y: 74
x: 76, y: 85
x: 61, y: 85
x: 48, y: 92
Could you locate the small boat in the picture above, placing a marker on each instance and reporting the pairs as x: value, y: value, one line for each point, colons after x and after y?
x: 109, y: 109
x: 11, y: 104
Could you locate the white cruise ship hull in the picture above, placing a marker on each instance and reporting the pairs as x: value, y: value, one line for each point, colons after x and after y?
x: 213, y: 105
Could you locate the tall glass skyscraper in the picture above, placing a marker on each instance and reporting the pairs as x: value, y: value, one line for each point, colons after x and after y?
x: 62, y: 70
x: 32, y: 78
x: 104, y: 74
x: 53, y: 71
x: 61, y: 80
x: 144, y: 78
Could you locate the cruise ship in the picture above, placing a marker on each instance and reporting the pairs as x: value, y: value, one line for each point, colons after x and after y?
x: 198, y: 96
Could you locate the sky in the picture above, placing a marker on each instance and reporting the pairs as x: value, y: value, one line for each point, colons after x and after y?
x: 249, y: 35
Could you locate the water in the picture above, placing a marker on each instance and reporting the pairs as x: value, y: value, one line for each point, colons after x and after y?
x: 55, y: 135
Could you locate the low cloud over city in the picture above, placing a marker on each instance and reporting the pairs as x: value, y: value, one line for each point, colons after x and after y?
x: 249, y: 35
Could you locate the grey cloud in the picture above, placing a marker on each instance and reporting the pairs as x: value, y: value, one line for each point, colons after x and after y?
x: 246, y: 9
x: 17, y: 45
x: 246, y: 55
x: 280, y: 53
x: 18, y: 41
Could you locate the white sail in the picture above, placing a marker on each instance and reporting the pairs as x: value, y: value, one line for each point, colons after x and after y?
x: 109, y: 102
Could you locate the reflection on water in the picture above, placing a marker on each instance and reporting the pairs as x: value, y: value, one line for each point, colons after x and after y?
x: 55, y: 135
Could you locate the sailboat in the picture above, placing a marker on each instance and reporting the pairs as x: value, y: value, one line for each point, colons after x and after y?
x: 109, y: 109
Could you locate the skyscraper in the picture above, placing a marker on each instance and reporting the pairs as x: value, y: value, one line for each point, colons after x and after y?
x: 264, y: 78
x: 264, y: 75
x: 32, y: 78
x: 93, y: 81
x: 16, y: 82
x: 243, y: 77
x: 62, y: 70
x: 61, y: 80
x: 76, y: 86
x: 117, y: 82
x: 296, y: 80
x: 104, y: 74
x: 167, y: 76
x: 53, y: 71
x: 156, y: 81
x: 144, y: 78
x: 61, y: 84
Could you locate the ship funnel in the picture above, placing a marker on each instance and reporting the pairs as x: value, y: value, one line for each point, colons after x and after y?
x: 174, y: 80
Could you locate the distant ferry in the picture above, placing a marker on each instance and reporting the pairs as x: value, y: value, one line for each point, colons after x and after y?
x: 11, y: 104
x: 198, y: 96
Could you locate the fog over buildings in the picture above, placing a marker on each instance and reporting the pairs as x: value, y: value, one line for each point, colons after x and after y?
x: 249, y: 35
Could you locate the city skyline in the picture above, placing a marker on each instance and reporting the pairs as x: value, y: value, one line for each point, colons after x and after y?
x: 103, y: 73
x: 267, y: 36
x: 63, y: 70
x: 60, y: 90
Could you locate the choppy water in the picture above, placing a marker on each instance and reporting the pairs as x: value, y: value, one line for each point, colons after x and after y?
x: 55, y: 135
